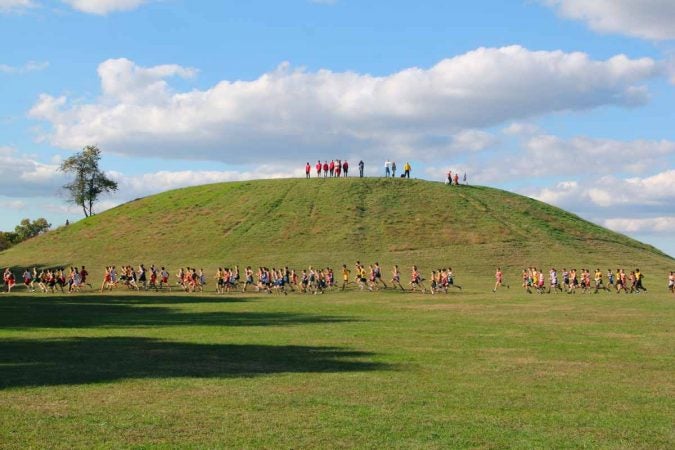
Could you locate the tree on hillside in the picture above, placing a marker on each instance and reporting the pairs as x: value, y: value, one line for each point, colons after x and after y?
x: 89, y: 182
x: 27, y: 229
x: 7, y: 239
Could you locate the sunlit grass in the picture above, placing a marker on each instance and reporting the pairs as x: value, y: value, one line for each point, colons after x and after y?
x: 466, y: 369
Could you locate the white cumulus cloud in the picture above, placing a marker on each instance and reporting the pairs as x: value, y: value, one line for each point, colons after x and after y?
x: 545, y: 155
x: 23, y: 176
x: 290, y: 114
x: 647, y: 19
x: 132, y: 186
x: 658, y: 225
x: 103, y: 7
x: 30, y: 66
x: 655, y: 192
x: 15, y: 5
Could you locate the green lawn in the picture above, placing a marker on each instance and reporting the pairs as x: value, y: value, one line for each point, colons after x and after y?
x: 390, y: 369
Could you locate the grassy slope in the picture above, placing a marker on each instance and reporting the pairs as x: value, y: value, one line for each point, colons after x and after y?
x: 328, y: 222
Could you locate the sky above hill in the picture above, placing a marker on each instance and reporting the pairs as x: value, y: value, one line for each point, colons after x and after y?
x: 567, y: 101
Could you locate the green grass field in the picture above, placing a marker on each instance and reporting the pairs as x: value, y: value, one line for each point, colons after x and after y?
x: 347, y: 369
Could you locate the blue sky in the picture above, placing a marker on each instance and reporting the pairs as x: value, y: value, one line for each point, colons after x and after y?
x: 567, y: 101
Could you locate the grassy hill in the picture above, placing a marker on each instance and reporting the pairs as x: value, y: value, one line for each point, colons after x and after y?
x: 353, y: 369
x: 329, y: 222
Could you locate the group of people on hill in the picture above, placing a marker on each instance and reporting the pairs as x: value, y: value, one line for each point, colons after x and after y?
x: 334, y: 169
x: 569, y: 281
x: 390, y: 169
x: 453, y: 179
x: 337, y: 168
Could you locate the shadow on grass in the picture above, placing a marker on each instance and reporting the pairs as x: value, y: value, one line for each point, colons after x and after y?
x: 26, y: 312
x: 30, y: 363
x: 132, y: 298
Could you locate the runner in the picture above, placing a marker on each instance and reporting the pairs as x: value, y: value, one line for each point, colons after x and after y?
x: 84, y: 274
x: 248, y: 278
x: 164, y: 278
x: 434, y: 283
x: 451, y: 279
x: 396, y: 278
x: 416, y: 280
x: 638, y: 281
x: 553, y: 280
x: 541, y: 282
x: 610, y: 279
x: 345, y: 276
x: 107, y: 280
x: 527, y: 279
x: 220, y: 280
x: 153, y: 278
x: 499, y: 279
x: 378, y: 274
x: 361, y: 275
x: 597, y: 278
x: 28, y: 280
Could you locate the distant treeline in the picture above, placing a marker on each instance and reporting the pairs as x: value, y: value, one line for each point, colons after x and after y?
x: 25, y: 230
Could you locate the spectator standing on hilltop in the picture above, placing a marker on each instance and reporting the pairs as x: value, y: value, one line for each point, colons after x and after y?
x: 338, y: 168
x: 449, y: 181
x: 331, y: 168
x: 361, y: 169
x: 308, y: 169
x: 456, y: 179
x: 387, y: 168
x: 318, y: 169
x: 325, y: 169
x: 345, y: 168
x: 406, y: 169
x: 393, y: 169
x: 464, y: 181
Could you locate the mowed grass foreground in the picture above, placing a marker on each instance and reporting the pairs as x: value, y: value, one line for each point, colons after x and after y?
x: 391, y: 369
